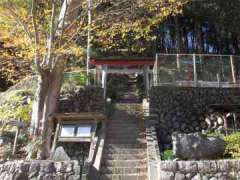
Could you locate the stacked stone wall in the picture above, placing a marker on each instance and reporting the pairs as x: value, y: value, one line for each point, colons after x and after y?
x: 184, y: 109
x: 44, y: 170
x: 86, y: 99
x: 199, y: 170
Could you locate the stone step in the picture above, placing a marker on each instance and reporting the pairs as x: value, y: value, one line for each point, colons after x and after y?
x: 128, y: 112
x: 128, y: 146
x: 138, y: 129
x: 125, y: 141
x: 124, y: 125
x: 125, y: 147
x: 124, y: 156
x: 124, y: 170
x: 124, y: 151
x: 124, y: 120
x: 123, y: 177
x: 127, y: 132
x: 129, y: 106
x: 119, y: 134
x: 123, y: 163
x: 125, y: 129
x: 128, y: 109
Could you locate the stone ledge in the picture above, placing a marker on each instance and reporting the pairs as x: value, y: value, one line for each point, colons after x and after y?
x: 153, y: 154
x: 194, y: 170
x: 40, y: 169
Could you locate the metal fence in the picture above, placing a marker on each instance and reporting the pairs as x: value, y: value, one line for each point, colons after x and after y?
x: 200, y: 70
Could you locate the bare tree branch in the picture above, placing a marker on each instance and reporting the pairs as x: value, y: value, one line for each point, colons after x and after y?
x: 51, y: 35
x: 36, y: 37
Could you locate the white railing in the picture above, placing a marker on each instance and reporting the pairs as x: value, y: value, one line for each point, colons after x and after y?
x: 197, y: 70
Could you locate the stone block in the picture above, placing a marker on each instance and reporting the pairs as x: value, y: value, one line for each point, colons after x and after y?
x: 196, y: 177
x: 34, y: 169
x: 197, y: 146
x: 180, y: 176
x: 224, y: 165
x: 49, y: 177
x: 168, y: 166
x: 21, y: 176
x: 73, y: 177
x: 165, y: 175
x: 188, y: 167
x: 207, y: 167
x: 24, y: 167
x: 190, y: 175
x: 47, y: 167
x: 60, y: 154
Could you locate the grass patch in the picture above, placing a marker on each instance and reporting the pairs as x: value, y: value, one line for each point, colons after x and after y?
x: 168, y: 155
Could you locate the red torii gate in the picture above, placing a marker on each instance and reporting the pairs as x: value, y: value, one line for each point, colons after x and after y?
x: 124, y: 65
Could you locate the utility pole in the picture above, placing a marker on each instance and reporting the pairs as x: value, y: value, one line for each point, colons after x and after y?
x: 89, y: 38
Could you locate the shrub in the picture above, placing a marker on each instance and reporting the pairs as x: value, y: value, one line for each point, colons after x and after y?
x: 168, y: 154
x: 73, y: 81
x: 232, y: 145
x: 33, y: 147
x: 6, y: 151
x: 116, y: 86
x: 17, y: 106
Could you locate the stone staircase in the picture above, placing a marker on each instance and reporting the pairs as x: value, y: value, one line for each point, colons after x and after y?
x: 130, y: 94
x: 125, y: 154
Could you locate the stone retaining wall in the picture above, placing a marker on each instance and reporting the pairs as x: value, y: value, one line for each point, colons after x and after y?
x: 42, y: 170
x: 86, y: 99
x: 183, y: 109
x: 199, y: 170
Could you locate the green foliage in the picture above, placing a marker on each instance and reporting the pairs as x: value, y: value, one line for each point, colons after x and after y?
x: 116, y: 86
x: 73, y: 80
x: 141, y: 87
x: 17, y: 106
x: 233, y: 145
x: 133, y: 27
x: 6, y: 151
x: 8, y: 140
x: 23, y: 138
x: 168, y: 154
x: 33, y: 147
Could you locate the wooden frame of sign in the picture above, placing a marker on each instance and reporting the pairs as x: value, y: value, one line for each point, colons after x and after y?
x: 89, y: 119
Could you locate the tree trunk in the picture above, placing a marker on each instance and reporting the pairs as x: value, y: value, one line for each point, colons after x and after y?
x: 38, y: 104
x: 49, y: 80
x: 45, y: 105
x: 50, y: 107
